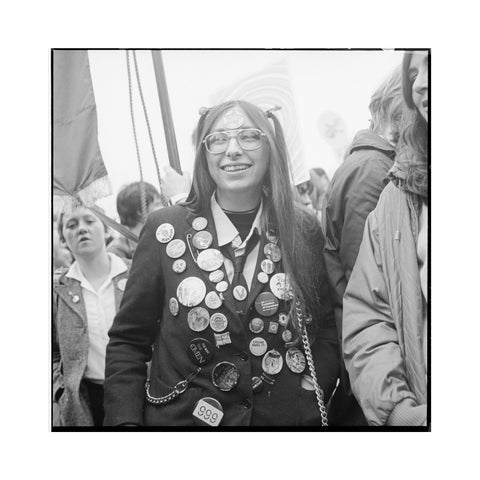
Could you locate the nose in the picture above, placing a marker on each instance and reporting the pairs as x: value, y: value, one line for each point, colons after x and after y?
x: 233, y: 148
x: 421, y: 82
x: 82, y: 226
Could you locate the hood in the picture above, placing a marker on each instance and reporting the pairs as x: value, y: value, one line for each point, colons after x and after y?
x: 368, y: 140
x: 401, y: 175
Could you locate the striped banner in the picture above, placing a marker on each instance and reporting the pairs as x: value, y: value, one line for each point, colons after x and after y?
x: 267, y: 88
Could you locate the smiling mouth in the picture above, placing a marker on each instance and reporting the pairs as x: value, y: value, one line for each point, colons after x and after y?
x: 235, y: 168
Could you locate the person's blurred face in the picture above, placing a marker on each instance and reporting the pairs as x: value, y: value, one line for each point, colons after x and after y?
x: 84, y: 233
x: 237, y: 169
x: 61, y: 255
x: 304, y: 190
x: 418, y: 75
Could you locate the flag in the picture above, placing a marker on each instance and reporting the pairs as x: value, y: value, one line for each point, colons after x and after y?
x: 268, y: 88
x: 78, y: 168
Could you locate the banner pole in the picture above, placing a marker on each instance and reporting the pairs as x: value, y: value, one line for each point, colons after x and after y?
x: 166, y: 111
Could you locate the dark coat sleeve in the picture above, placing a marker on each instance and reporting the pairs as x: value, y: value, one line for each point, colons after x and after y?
x: 57, y: 376
x: 133, y: 333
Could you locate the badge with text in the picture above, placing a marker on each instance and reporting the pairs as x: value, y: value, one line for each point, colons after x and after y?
x: 258, y: 346
x: 209, y: 411
x: 266, y: 304
x: 200, y: 351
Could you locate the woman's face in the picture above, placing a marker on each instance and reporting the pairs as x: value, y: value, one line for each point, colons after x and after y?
x: 237, y: 169
x: 418, y: 75
x: 84, y: 233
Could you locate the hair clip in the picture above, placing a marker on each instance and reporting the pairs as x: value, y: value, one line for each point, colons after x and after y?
x: 203, y: 110
x: 270, y: 111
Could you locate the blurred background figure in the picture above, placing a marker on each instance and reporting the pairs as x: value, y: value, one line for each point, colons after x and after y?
x: 352, y: 195
x: 385, y: 303
x: 175, y: 187
x: 86, y: 297
x: 61, y: 254
x: 312, y: 192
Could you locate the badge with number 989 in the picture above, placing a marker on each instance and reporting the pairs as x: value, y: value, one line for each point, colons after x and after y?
x: 209, y: 411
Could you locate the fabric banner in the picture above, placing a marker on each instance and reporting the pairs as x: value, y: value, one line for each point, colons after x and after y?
x: 78, y: 168
x: 267, y: 88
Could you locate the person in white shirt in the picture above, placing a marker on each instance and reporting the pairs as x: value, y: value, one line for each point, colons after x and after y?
x: 86, y: 299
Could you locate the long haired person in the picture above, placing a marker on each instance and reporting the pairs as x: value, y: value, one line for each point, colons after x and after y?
x: 385, y: 304
x: 227, y: 296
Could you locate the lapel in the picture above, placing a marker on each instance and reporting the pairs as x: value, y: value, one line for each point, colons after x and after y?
x: 119, y: 283
x: 228, y: 300
x: 67, y: 290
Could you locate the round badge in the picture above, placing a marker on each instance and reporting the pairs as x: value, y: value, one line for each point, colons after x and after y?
x: 272, y: 252
x: 272, y: 362
x: 202, y: 240
x: 176, y: 248
x: 75, y: 299
x: 225, y: 376
x: 191, y: 291
x: 212, y: 300
x: 218, y: 322
x: 210, y: 259
x: 173, y: 306
x: 258, y: 346
x: 295, y: 360
x: 200, y: 223
x: 121, y: 284
x: 200, y: 351
x: 266, y: 304
x: 262, y: 277
x: 216, y: 276
x: 179, y: 265
x: 267, y: 266
x: 236, y: 242
x: 198, y: 319
x: 256, y: 325
x: 257, y: 384
x: 165, y: 232
x: 240, y: 293
x: 221, y: 286
x: 280, y: 286
x: 271, y: 236
x: 287, y: 336
x: 283, y: 319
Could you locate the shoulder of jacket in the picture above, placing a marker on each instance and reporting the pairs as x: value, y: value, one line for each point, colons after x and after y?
x: 58, y: 274
x: 168, y: 214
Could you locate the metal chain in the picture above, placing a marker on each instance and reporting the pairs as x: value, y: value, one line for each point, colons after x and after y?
x: 143, y: 196
x: 308, y: 352
x: 162, y: 197
x: 178, y: 389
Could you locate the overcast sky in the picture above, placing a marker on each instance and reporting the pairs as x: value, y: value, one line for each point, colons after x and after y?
x: 322, y: 82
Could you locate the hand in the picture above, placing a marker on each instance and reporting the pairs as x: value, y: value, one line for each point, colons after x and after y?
x: 174, y: 184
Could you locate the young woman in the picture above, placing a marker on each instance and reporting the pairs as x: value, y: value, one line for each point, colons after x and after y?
x: 384, y: 322
x: 220, y: 292
x: 86, y: 298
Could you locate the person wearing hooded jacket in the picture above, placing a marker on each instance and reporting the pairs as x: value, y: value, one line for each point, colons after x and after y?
x: 352, y: 195
x: 384, y: 318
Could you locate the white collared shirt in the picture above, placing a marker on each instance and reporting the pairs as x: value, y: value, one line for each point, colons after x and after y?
x: 101, y: 310
x: 227, y: 233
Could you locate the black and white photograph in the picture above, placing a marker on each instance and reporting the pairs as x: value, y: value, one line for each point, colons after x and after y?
x: 240, y: 239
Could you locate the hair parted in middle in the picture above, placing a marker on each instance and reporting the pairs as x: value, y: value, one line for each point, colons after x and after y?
x: 294, y: 225
x: 387, y: 106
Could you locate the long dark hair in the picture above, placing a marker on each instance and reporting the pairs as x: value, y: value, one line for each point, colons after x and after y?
x: 294, y: 226
x: 412, y: 158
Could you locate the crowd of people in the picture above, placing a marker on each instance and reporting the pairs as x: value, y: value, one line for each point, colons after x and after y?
x: 249, y: 301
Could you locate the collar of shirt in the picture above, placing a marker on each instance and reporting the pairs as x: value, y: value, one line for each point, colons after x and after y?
x: 117, y: 266
x: 226, y: 231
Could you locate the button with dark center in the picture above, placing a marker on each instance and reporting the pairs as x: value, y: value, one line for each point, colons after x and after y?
x: 200, y: 351
x: 266, y: 304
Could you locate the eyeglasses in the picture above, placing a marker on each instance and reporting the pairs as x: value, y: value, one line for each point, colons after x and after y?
x: 247, y: 138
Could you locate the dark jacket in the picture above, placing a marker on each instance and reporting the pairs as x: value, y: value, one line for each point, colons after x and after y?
x: 145, y: 324
x: 352, y: 195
